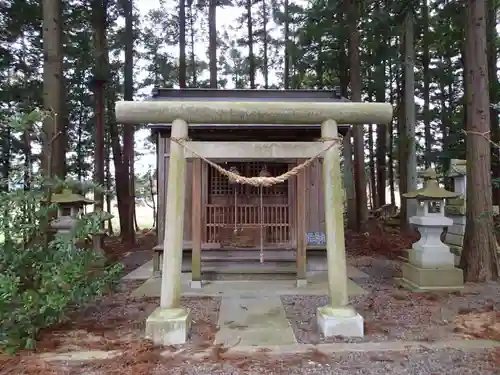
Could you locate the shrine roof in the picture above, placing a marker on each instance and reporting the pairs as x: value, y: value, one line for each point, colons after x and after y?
x: 206, y: 94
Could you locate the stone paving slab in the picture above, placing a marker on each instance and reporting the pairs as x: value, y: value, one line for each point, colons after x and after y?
x: 316, y: 286
x: 252, y: 321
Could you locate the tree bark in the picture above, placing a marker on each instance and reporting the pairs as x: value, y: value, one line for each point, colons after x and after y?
x: 411, y: 160
x: 479, y: 256
x: 99, y: 20
x: 182, y: 45
x: 212, y: 41
x: 194, y: 73
x: 492, y: 51
x: 427, y: 80
x: 128, y: 233
x: 251, y: 56
x: 265, y: 52
x: 382, y: 138
x: 54, y: 125
x: 371, y: 164
x: 286, y: 73
x: 356, y: 86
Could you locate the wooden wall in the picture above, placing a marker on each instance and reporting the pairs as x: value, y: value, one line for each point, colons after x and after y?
x: 315, y: 217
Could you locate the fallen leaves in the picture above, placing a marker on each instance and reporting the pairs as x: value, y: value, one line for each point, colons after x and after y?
x: 478, y: 325
x: 377, y: 241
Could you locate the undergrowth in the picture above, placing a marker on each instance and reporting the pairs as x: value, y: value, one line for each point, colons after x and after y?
x: 43, y: 274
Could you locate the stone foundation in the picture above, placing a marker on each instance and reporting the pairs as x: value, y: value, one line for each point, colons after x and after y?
x: 168, y: 326
x: 342, y: 321
x: 429, y: 279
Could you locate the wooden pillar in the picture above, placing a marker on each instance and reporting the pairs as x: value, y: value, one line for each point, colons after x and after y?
x: 161, y: 183
x: 174, y: 220
x: 300, y: 224
x: 196, y: 223
x: 334, y: 219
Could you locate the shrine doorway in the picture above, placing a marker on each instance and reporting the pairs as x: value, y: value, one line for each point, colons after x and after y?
x: 234, y: 216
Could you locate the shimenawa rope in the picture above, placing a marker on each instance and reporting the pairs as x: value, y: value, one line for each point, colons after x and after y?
x: 260, y: 181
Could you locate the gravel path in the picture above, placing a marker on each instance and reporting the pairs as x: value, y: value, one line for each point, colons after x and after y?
x: 391, y: 313
x: 436, y: 362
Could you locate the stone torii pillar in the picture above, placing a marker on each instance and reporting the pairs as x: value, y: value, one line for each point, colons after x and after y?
x: 169, y: 324
x: 337, y: 318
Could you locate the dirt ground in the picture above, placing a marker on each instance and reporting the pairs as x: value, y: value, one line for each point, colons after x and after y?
x: 116, y: 322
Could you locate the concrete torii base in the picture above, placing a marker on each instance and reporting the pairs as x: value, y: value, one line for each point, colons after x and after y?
x: 168, y: 326
x: 342, y: 321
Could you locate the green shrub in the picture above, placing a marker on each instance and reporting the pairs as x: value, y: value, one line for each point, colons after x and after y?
x: 41, y: 277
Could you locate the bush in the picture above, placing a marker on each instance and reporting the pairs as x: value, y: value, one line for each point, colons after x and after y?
x: 41, y: 277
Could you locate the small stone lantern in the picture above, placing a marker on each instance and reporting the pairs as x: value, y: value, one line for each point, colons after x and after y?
x: 430, y: 265
x: 69, y: 205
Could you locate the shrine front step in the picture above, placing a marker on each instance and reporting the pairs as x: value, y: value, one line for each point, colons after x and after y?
x: 248, y: 255
x: 231, y: 262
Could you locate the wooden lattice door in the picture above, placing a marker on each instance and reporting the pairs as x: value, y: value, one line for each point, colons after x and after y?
x: 223, y: 219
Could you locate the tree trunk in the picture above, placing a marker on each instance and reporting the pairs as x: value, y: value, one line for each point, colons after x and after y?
x: 194, y: 73
x: 286, y: 73
x: 356, y: 86
x: 382, y: 139
x: 251, y: 56
x: 390, y: 145
x: 411, y: 161
x: 265, y: 62
x: 212, y: 41
x: 107, y: 164
x: 128, y: 233
x: 54, y: 125
x: 153, y: 201
x: 479, y: 256
x: 350, y: 192
x: 371, y: 165
x: 99, y: 20
x: 319, y: 66
x: 492, y: 51
x: 427, y: 80
x: 402, y: 144
x: 182, y: 45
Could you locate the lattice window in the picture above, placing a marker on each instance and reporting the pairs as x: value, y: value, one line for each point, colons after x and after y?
x: 219, y: 184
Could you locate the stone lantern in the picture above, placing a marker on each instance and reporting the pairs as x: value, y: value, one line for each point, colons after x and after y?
x: 430, y: 265
x: 69, y: 205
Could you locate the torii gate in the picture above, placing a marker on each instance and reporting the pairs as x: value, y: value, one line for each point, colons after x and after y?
x: 169, y: 324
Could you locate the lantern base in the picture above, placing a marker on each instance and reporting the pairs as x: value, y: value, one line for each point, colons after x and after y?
x: 430, y: 279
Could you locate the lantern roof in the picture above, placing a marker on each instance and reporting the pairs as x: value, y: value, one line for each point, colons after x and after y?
x: 68, y: 197
x: 431, y: 189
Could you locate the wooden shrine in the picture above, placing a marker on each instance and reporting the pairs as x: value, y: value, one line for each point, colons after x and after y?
x: 225, y: 206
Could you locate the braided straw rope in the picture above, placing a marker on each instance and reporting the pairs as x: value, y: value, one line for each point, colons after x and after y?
x: 261, y: 181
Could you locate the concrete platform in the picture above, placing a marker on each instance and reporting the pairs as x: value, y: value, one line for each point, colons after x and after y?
x: 253, y: 321
x: 317, y: 285
x: 145, y: 271
x: 430, y: 279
